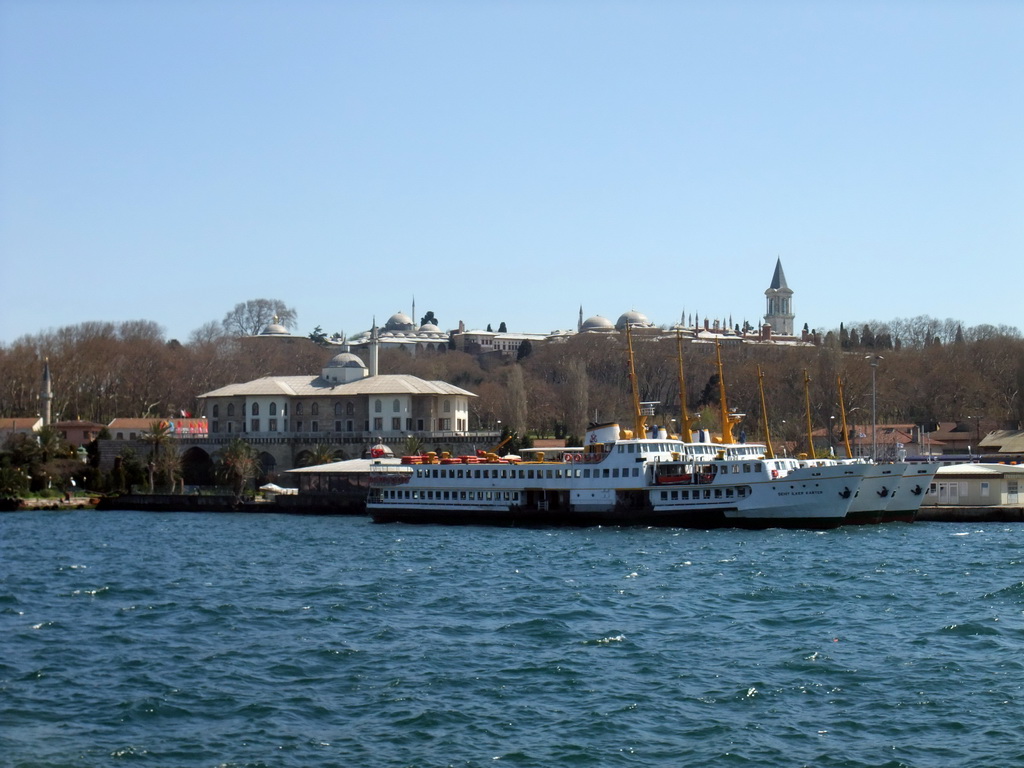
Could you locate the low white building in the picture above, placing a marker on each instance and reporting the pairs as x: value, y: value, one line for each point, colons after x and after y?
x: 976, y: 485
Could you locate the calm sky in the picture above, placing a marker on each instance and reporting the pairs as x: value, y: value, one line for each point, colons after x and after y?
x: 509, y: 161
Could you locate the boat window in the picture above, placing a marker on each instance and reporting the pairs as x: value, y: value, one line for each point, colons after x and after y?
x: 707, y: 493
x: 631, y: 448
x: 758, y: 468
x: 586, y: 473
x: 735, y: 469
x: 675, y: 495
x: 462, y: 494
x: 636, y: 471
x: 664, y: 495
x: 605, y: 473
x: 622, y: 449
x: 476, y: 473
x: 615, y: 472
x: 446, y: 495
x: 729, y: 493
x: 685, y: 495
x: 529, y: 474
x: 718, y: 493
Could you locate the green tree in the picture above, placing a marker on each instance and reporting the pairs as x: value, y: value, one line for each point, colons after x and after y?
x: 317, y: 336
x: 413, y: 446
x: 156, y: 437
x: 238, y: 464
x: 321, y: 453
x: 13, y: 481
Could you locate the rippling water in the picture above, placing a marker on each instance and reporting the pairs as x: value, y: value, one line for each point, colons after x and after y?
x: 251, y: 640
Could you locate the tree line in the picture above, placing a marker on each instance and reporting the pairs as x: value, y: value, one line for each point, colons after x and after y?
x: 930, y: 371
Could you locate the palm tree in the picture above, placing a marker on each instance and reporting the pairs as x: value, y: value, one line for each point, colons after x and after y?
x: 157, y: 436
x: 238, y: 464
x: 413, y: 446
x: 321, y: 453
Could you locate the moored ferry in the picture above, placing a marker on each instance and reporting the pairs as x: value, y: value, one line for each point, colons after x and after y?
x: 628, y: 481
x: 622, y: 477
x: 909, y: 493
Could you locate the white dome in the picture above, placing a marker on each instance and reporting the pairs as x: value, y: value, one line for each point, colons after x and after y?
x: 598, y: 323
x: 345, y: 360
x: 399, y: 322
x: 633, y: 319
x: 274, y: 329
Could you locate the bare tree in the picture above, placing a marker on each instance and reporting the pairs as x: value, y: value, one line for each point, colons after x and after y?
x: 578, y: 403
x: 517, y: 408
x: 248, y: 318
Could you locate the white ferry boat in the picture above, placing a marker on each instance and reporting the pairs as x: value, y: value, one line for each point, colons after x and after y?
x: 909, y: 492
x: 627, y: 481
x: 621, y: 478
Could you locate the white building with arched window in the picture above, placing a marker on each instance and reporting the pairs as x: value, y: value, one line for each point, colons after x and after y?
x: 343, y: 404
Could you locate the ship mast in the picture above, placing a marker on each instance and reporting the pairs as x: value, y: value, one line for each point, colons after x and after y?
x: 639, y: 420
x: 685, y: 426
x: 842, y: 412
x: 764, y: 415
x: 728, y: 419
x: 807, y: 407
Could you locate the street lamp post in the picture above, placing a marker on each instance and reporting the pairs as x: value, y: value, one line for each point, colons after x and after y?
x: 874, y: 410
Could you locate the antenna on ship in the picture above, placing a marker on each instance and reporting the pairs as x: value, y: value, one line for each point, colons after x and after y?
x: 764, y: 415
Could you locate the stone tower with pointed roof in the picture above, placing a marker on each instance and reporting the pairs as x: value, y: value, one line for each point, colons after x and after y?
x: 780, y: 303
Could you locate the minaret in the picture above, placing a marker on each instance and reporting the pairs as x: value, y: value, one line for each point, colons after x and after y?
x: 373, y: 348
x: 780, y: 304
x: 46, y: 394
x: 579, y: 323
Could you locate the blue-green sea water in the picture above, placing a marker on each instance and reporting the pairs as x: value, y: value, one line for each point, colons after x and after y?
x: 214, y: 640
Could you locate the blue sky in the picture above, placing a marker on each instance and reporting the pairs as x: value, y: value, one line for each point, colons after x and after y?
x: 509, y: 161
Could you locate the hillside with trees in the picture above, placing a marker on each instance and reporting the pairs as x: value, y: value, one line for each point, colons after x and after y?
x: 930, y: 371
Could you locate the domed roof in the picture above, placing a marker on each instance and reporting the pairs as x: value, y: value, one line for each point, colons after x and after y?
x: 429, y: 328
x: 632, y: 319
x: 345, y: 360
x: 274, y: 329
x: 598, y: 323
x: 399, y: 322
